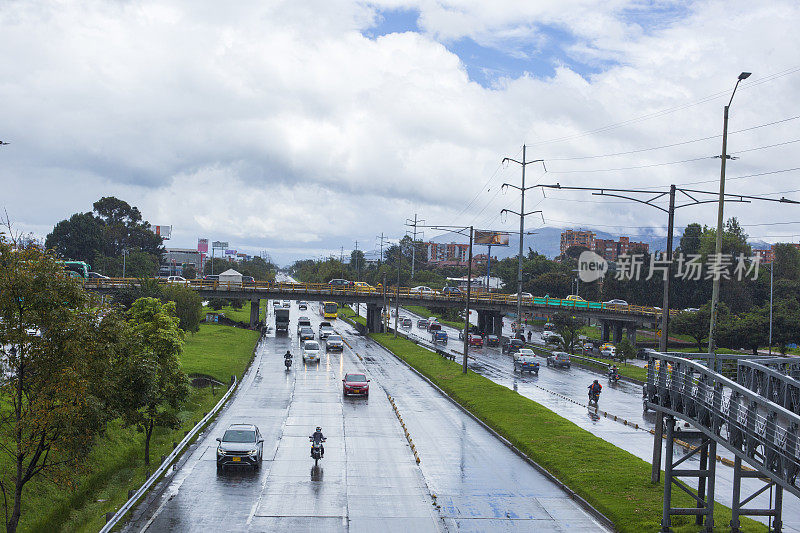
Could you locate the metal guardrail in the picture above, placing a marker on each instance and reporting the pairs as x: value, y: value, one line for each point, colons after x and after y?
x: 162, y: 468
x: 751, y: 425
x: 319, y: 290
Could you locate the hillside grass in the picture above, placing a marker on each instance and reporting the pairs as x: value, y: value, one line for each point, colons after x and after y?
x: 116, y: 463
x: 614, y: 481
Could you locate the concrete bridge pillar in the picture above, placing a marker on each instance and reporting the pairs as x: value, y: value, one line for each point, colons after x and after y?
x: 630, y: 332
x: 374, y: 322
x: 605, y: 330
x: 498, y: 325
x: 483, y: 321
x: 254, y: 306
x: 617, y: 332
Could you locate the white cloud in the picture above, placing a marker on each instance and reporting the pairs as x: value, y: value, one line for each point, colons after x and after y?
x: 280, y: 126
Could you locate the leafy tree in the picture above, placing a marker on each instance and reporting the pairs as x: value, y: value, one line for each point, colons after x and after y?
x: 625, y: 349
x: 160, y: 387
x: 217, y: 303
x: 189, y: 271
x: 695, y: 325
x: 54, y: 405
x: 690, y: 240
x: 734, y: 240
x: 357, y: 261
x: 749, y: 330
x: 237, y: 303
x: 141, y: 288
x: 220, y: 265
x: 80, y: 238
x: 786, y: 262
x: 188, y: 306
x: 574, y: 252
x: 568, y: 327
x: 257, y: 268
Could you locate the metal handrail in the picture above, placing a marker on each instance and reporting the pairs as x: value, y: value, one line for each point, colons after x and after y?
x: 128, y: 505
x: 752, y: 426
x: 324, y: 289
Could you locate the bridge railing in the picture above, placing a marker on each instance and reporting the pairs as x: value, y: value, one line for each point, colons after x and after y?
x: 751, y: 425
x: 320, y: 290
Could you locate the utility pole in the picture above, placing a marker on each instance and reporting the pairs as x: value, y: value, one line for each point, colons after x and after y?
x: 466, y: 307
x: 771, y: 269
x: 522, y: 214
x: 123, y: 262
x: 413, y: 240
x: 397, y: 298
x: 718, y: 249
x: 358, y: 265
x: 663, y: 342
x: 380, y: 259
x: 385, y: 320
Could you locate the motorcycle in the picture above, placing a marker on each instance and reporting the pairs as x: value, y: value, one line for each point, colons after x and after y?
x: 593, y: 398
x: 288, y: 362
x: 613, y: 377
x: 316, y: 449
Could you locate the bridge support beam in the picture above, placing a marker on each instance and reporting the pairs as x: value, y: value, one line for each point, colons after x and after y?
x: 254, y: 307
x: 617, y: 332
x: 482, y: 320
x: 498, y: 325
x: 630, y: 332
x: 705, y: 474
x: 374, y: 322
x: 605, y: 329
x: 737, y: 503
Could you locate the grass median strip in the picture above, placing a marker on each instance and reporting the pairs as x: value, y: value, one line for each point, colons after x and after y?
x: 346, y: 312
x: 614, y: 481
x: 426, y: 313
x: 115, y: 464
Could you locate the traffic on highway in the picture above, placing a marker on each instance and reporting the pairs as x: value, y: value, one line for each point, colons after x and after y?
x: 257, y: 469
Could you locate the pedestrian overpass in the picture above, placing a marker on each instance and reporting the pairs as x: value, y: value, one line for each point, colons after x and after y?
x: 748, y: 405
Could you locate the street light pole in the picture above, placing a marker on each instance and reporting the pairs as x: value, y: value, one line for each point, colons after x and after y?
x: 466, y: 310
x: 720, y: 209
x: 771, y: 269
x: 663, y: 342
x: 522, y: 215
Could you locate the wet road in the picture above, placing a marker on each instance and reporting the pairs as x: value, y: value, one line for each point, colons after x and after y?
x: 622, y: 399
x: 368, y: 479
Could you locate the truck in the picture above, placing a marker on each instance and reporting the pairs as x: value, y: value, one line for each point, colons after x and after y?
x: 281, y: 320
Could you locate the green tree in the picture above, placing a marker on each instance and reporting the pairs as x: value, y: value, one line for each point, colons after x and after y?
x: 357, y: 261
x: 568, y: 327
x: 748, y: 330
x: 690, y: 240
x: 625, y: 349
x: 80, y: 238
x: 160, y: 387
x: 54, y: 405
x: 141, y: 288
x: 188, y: 306
x: 217, y: 303
x: 786, y: 262
x: 695, y: 325
x: 189, y: 271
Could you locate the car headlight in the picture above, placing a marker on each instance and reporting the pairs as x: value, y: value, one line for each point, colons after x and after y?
x: 254, y: 451
x: 220, y: 451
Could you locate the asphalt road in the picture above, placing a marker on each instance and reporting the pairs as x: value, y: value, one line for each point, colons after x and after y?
x: 622, y: 399
x: 368, y: 480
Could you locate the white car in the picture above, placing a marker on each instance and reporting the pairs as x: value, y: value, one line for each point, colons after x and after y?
x: 287, y: 304
x: 177, y: 279
x: 311, y: 351
x: 609, y: 351
x: 422, y: 291
x: 618, y: 302
x: 525, y: 296
x: 325, y: 330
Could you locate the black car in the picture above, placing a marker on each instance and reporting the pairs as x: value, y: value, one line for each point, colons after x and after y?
x: 512, y: 346
x: 492, y: 340
x: 241, y: 445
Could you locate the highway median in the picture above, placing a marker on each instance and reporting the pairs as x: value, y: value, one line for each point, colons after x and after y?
x: 610, y: 479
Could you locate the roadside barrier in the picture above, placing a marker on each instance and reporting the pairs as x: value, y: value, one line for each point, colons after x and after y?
x: 165, y: 464
x: 405, y: 430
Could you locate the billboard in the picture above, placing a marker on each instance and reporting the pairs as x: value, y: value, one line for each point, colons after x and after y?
x: 492, y: 238
x: 219, y: 245
x: 230, y: 252
x: 165, y: 232
x: 202, y: 246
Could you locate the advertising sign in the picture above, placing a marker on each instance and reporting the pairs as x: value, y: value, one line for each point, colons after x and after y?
x: 165, y: 232
x: 220, y: 245
x: 230, y: 252
x: 202, y: 246
x: 493, y: 238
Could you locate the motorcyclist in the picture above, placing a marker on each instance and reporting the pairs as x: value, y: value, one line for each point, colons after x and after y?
x: 318, y: 437
x: 287, y: 359
x: 594, y: 389
x: 529, y: 335
x: 287, y: 355
x: 613, y: 371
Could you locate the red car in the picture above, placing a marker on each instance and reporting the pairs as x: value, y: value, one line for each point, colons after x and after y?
x: 475, y: 340
x: 355, y: 384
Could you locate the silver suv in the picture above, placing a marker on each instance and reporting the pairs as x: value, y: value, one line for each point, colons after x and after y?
x: 559, y: 359
x: 241, y: 445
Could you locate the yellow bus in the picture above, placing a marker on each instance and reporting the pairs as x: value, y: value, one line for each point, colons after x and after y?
x: 328, y: 310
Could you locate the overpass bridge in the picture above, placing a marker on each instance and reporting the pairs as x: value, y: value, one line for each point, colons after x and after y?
x: 489, y: 306
x: 749, y: 405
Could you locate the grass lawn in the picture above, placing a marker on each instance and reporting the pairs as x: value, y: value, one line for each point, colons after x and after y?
x: 614, y: 481
x: 425, y: 312
x: 347, y: 312
x: 116, y: 463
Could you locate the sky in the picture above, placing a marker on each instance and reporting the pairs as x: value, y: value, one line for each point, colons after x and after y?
x: 301, y: 128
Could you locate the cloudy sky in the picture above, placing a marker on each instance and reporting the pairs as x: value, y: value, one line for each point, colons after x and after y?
x: 302, y: 127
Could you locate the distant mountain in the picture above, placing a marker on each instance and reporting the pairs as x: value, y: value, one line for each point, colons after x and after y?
x: 547, y: 241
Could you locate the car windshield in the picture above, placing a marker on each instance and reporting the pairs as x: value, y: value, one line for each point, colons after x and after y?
x: 239, y: 435
x: 306, y: 331
x: 334, y: 338
x: 311, y: 346
x: 360, y: 378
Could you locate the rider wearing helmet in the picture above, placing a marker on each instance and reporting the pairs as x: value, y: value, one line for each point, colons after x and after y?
x: 595, y: 388
x: 613, y: 370
x: 319, y: 437
x: 287, y: 355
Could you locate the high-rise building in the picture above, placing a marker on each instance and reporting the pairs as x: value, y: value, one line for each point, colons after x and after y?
x: 455, y: 254
x: 608, y: 249
x: 571, y: 238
